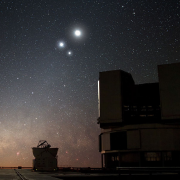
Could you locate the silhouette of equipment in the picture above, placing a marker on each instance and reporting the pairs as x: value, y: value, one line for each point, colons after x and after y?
x: 45, y: 157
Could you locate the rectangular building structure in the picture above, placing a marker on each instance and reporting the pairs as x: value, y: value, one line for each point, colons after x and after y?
x: 140, y: 124
x: 169, y: 84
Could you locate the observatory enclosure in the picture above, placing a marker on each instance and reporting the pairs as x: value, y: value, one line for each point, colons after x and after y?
x: 45, y: 157
x: 140, y: 124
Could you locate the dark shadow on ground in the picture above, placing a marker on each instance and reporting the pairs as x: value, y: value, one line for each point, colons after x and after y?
x: 122, y: 177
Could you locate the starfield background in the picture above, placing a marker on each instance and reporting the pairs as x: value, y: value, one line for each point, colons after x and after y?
x: 51, y: 53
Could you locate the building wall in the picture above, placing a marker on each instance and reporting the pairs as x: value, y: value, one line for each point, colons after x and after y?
x: 115, y: 89
x: 142, y: 139
x: 105, y: 139
x: 169, y: 85
x: 133, y: 139
x: 141, y: 145
x: 160, y: 139
x: 110, y: 97
x: 140, y: 123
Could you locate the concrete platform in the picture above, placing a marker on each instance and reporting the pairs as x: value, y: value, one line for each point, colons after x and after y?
x: 10, y: 174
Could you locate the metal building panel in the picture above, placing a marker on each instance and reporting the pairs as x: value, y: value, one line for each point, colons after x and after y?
x: 133, y: 139
x: 110, y: 97
x: 160, y: 139
x: 169, y: 86
x: 105, y: 141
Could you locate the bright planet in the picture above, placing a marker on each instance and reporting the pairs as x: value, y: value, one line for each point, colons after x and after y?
x: 77, y: 33
x: 69, y: 53
x: 61, y: 44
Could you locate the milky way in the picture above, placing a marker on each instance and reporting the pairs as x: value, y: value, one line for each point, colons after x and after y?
x: 48, y: 91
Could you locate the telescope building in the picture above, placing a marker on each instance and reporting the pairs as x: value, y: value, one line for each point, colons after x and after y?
x: 140, y: 123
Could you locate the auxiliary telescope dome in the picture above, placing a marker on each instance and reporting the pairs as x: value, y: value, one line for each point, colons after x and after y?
x: 44, y: 147
x: 45, y: 157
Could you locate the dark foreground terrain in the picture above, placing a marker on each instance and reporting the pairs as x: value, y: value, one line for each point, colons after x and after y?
x: 27, y: 174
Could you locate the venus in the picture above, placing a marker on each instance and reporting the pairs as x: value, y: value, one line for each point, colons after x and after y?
x: 77, y: 33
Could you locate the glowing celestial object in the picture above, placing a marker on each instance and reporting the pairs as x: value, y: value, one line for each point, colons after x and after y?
x: 77, y: 33
x: 69, y: 53
x: 61, y: 44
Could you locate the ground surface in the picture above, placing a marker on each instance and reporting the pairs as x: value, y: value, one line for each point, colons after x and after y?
x: 27, y: 174
x: 10, y: 174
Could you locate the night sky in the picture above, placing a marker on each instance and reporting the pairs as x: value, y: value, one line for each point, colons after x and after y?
x: 49, y: 73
